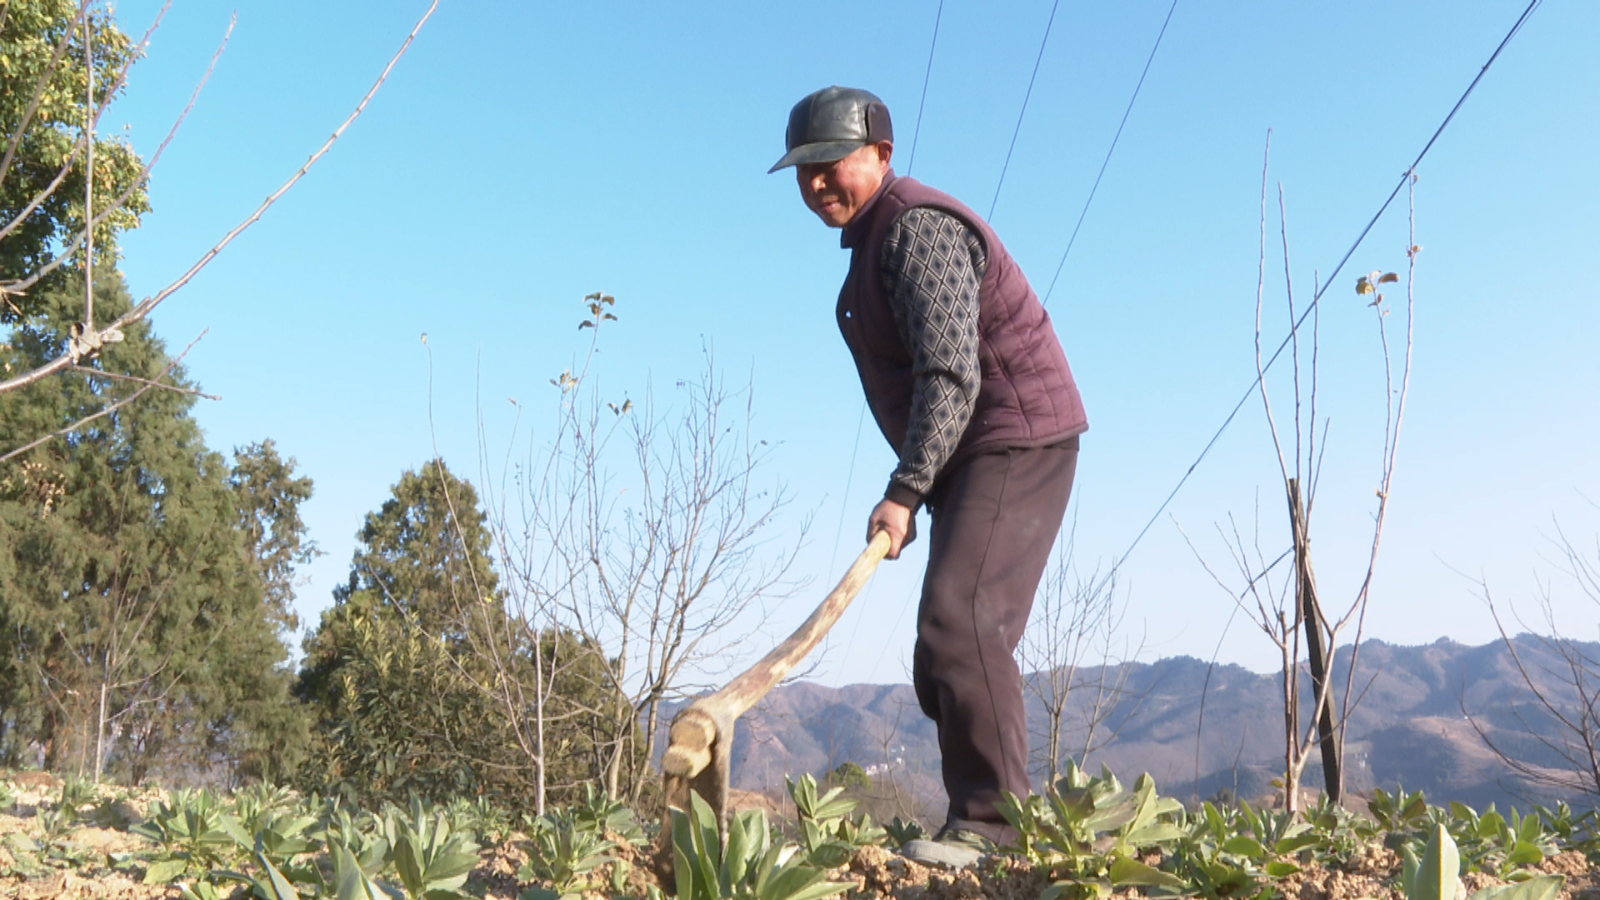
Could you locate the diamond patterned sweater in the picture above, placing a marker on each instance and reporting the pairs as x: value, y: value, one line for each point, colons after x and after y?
x: 911, y: 330
x: 932, y: 266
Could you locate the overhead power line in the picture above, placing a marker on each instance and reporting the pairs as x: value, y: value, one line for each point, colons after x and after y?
x: 1029, y: 93
x: 1110, y: 150
x: 861, y: 418
x: 1534, y: 4
x: 927, y: 76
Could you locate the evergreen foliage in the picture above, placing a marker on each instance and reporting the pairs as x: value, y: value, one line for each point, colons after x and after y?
x: 402, y: 669
x: 134, y: 628
x: 269, y: 497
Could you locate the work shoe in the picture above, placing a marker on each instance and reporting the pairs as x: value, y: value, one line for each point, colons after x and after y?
x: 956, y: 848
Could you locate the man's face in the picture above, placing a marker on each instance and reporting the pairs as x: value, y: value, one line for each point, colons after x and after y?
x: 836, y: 191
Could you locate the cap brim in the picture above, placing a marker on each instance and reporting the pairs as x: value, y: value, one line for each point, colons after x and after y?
x: 819, y: 152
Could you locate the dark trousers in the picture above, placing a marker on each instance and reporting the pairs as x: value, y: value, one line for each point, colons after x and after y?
x: 995, y: 518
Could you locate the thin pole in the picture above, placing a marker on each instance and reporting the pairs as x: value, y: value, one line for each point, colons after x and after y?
x: 88, y: 191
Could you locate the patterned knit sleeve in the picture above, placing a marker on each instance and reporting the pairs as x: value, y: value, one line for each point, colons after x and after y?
x: 932, y: 264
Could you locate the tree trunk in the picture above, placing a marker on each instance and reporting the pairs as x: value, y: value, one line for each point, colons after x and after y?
x: 1053, y: 773
x: 100, y: 732
x: 619, y: 748
x: 540, y: 772
x: 1292, y: 757
x: 1318, y: 656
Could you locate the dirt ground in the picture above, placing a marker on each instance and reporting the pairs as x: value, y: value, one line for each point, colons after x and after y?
x: 881, y: 874
x: 85, y: 869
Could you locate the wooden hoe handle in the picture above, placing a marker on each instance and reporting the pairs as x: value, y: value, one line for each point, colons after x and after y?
x: 698, y: 753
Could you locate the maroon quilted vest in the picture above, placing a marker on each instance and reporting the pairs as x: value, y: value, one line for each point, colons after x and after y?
x: 1027, y: 397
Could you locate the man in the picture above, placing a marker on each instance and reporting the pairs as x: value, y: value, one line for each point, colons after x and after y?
x: 967, y: 380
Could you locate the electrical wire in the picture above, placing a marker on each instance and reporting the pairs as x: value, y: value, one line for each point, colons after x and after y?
x: 861, y: 419
x: 1018, y: 130
x: 844, y: 507
x: 926, y: 77
x: 1410, y: 170
x: 1112, y: 149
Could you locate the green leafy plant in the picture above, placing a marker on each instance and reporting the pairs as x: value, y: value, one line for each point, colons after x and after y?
x: 1577, y: 831
x: 564, y: 852
x: 351, y: 878
x: 1339, y: 832
x: 902, y: 832
x: 603, y: 815
x: 751, y: 867
x: 201, y: 890
x: 362, y: 836
x: 1492, y: 843
x: 829, y: 835
x: 55, y: 822
x: 432, y: 860
x: 480, y: 818
x: 27, y: 856
x: 77, y: 794
x: 59, y: 819
x: 284, y: 848
x: 195, y: 833
x: 1264, y: 839
x: 1089, y: 832
x: 1397, y: 813
x: 1436, y: 875
x: 257, y: 804
x: 818, y: 808
x: 270, y: 885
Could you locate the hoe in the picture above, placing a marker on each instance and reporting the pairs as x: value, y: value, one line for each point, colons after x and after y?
x: 698, y: 755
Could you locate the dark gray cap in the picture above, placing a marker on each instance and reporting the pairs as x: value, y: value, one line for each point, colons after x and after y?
x: 831, y: 123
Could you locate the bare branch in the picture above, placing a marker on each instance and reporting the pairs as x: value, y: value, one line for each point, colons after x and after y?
x: 86, y: 235
x: 1566, y: 699
x: 116, y: 376
x: 83, y: 142
x: 147, y: 385
x: 1394, y: 412
x: 1294, y: 333
x: 1261, y: 283
x: 39, y: 86
x: 144, y: 307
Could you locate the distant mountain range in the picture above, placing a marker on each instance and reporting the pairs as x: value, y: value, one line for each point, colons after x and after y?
x: 1411, y: 727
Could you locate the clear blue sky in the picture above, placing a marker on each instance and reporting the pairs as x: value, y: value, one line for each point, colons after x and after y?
x: 523, y: 155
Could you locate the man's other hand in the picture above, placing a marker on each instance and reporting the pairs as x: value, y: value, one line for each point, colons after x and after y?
x: 894, y: 518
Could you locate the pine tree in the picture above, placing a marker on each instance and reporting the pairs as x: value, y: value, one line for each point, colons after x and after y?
x: 394, y: 715
x: 269, y: 496
x: 135, y: 626
x: 398, y: 667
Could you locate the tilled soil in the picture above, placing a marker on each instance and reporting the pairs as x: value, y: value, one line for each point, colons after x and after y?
x: 875, y: 873
x: 879, y: 873
x: 92, y: 879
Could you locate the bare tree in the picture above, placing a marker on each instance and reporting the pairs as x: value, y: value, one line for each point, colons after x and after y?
x: 1556, y: 742
x: 643, y: 535
x: 885, y: 774
x: 1290, y: 612
x: 681, y: 573
x: 1079, y: 672
x: 521, y: 656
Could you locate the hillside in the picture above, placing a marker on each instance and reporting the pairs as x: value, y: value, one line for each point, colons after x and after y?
x: 1409, y: 729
